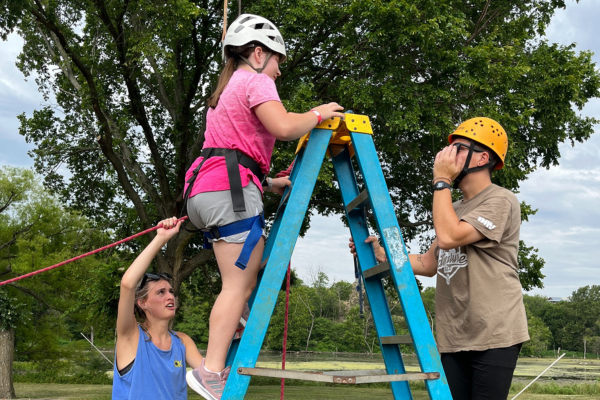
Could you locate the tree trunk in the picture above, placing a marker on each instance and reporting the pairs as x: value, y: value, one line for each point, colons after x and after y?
x: 7, y: 353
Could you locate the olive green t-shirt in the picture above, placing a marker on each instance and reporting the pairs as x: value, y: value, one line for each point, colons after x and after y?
x: 478, y: 301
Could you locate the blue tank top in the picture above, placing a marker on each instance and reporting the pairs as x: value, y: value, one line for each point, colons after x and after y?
x: 155, y: 374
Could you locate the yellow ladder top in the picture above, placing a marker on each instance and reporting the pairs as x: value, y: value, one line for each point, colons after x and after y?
x: 340, y: 129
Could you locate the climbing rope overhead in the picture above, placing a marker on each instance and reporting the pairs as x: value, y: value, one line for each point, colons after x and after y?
x: 341, y: 140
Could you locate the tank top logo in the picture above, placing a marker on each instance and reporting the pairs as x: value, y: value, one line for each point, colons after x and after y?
x: 178, y: 364
x: 449, y: 262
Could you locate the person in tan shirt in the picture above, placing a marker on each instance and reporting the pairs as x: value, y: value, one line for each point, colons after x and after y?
x: 480, y: 316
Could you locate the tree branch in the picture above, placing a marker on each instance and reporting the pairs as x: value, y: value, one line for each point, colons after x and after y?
x: 19, y: 232
x: 128, y: 71
x: 162, y: 95
x: 35, y: 296
x: 65, y: 66
x: 480, y: 25
x: 106, y: 141
x: 131, y: 163
x: 8, y: 202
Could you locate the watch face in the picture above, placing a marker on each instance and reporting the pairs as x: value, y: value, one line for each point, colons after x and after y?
x: 440, y: 185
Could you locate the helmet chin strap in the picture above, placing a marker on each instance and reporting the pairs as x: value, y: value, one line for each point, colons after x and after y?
x: 258, y: 70
x: 466, y: 170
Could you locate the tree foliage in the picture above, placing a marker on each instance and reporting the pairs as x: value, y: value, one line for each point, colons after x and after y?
x: 569, y: 322
x: 126, y: 84
x: 36, y: 232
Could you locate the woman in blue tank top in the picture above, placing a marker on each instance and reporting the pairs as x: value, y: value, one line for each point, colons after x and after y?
x: 150, y: 359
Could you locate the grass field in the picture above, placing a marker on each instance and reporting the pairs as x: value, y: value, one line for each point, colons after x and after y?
x: 102, y: 392
x: 568, y: 379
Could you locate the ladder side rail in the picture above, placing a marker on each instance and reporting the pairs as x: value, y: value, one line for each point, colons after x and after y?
x: 235, y: 343
x: 374, y: 289
x: 400, y: 268
x: 282, y: 204
x: 279, y: 256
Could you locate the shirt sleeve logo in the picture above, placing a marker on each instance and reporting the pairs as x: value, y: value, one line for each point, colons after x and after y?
x: 449, y: 262
x: 488, y: 224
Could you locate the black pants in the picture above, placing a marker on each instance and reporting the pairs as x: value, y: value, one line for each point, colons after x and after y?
x: 476, y: 375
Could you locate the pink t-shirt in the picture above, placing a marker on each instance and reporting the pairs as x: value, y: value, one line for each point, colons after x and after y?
x: 234, y: 125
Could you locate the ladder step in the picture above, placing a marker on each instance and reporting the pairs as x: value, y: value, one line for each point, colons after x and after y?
x: 359, y: 201
x: 399, y: 339
x: 379, y: 271
x: 343, y: 378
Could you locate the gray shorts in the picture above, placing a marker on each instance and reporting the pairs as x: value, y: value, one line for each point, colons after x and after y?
x: 210, y: 209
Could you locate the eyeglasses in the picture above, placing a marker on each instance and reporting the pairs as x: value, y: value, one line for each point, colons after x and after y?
x: 155, y: 277
x: 459, y: 145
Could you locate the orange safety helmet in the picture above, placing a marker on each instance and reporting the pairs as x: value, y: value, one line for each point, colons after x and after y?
x: 487, y: 132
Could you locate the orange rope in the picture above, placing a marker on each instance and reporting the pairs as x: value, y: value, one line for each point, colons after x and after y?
x: 224, y: 19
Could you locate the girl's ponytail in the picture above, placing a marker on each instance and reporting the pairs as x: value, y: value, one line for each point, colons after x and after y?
x: 224, y: 78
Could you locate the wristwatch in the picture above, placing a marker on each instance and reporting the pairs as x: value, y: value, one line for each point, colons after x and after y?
x: 440, y: 185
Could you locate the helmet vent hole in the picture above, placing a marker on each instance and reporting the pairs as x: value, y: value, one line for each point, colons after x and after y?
x: 239, y: 28
x: 246, y: 20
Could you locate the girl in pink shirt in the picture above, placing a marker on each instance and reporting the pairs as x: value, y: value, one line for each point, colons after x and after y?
x: 244, y: 120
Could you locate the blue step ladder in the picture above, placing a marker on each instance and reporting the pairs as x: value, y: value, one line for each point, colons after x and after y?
x: 341, y: 139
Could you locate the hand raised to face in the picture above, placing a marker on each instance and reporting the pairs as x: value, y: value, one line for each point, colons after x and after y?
x: 447, y: 164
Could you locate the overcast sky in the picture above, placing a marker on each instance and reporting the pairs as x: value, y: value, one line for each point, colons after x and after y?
x: 566, y: 229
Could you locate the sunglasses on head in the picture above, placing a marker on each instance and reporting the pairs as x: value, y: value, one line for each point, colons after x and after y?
x: 148, y: 276
x: 459, y: 145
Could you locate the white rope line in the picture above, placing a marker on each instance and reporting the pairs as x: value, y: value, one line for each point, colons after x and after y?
x: 538, y: 376
x: 102, y: 354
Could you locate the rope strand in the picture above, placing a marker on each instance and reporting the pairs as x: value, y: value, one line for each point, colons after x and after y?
x: 285, y: 325
x: 18, y: 278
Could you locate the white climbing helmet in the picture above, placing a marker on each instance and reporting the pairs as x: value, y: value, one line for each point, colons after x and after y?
x: 249, y: 28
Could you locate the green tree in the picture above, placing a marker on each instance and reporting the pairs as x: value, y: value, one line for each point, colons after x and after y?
x: 585, y: 305
x: 572, y: 321
x: 540, y: 337
x: 342, y: 291
x: 133, y: 77
x: 537, y: 305
x: 359, y: 332
x: 301, y: 320
x: 557, y: 318
x: 36, y: 232
x: 428, y: 297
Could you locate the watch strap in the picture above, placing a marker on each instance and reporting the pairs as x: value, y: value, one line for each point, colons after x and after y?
x: 440, y: 185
